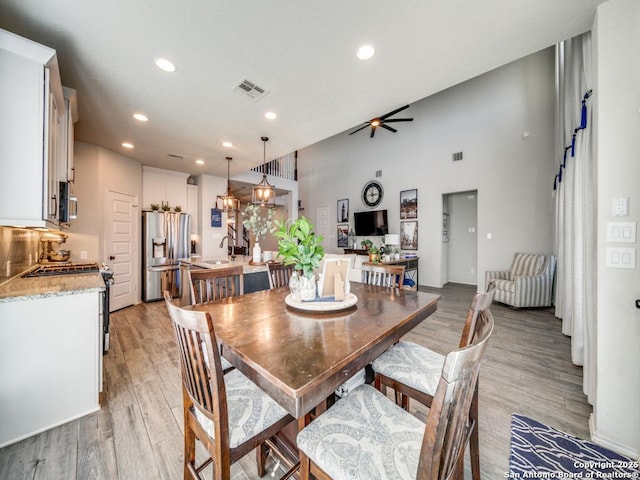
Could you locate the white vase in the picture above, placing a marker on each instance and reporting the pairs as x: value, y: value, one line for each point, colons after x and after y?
x: 257, y: 253
x: 307, y: 288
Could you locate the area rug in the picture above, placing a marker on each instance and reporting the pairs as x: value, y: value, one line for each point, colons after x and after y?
x: 539, y: 451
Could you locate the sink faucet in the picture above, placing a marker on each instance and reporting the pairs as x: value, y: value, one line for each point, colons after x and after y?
x: 223, y: 239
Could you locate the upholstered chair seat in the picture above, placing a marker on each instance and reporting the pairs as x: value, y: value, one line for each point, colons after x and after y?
x: 364, y: 436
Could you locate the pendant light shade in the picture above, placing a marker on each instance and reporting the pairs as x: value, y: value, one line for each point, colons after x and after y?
x: 230, y: 203
x: 264, y: 193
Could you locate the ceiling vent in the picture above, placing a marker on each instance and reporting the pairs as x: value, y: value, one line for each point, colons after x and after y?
x: 250, y: 89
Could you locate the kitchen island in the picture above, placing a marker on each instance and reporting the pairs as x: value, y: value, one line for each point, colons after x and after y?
x: 256, y: 277
x: 50, y: 352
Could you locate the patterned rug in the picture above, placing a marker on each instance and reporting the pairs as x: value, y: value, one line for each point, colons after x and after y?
x: 539, y: 451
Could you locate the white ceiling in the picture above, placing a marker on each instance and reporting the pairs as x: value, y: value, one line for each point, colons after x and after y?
x: 302, y: 52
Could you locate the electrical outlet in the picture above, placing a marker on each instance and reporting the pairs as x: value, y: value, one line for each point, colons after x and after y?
x: 620, y: 207
x: 83, y: 255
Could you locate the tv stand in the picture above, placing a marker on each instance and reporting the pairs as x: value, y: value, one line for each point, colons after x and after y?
x: 357, y: 251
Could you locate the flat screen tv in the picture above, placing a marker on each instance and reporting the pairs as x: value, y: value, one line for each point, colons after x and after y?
x: 371, y: 223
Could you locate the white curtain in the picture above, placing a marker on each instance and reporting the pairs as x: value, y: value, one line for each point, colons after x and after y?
x: 576, y: 207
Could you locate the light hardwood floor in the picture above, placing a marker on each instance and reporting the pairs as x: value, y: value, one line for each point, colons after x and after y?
x: 138, y: 432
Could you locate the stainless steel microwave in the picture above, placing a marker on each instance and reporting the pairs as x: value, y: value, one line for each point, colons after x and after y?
x: 68, y: 209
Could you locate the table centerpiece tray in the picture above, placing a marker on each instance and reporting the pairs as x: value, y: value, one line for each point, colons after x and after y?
x: 321, y: 305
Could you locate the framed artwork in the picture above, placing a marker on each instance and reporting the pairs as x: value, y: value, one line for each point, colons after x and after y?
x: 343, y: 236
x: 216, y: 217
x: 343, y: 211
x: 409, y: 235
x: 409, y: 204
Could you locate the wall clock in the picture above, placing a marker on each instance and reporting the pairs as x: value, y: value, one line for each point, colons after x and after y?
x: 372, y: 193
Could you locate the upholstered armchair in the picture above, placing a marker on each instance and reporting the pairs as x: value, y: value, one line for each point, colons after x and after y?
x: 528, y: 283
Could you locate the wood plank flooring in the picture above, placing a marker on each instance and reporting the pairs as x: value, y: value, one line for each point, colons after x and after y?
x: 138, y: 431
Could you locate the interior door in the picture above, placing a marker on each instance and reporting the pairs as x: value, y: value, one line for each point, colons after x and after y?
x: 121, y: 247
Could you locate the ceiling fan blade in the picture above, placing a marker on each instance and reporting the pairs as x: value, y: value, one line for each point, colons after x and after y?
x: 388, y: 127
x: 398, y: 120
x: 393, y: 112
x: 373, y: 131
x: 361, y: 128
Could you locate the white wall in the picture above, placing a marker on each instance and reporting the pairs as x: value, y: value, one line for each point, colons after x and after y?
x: 98, y: 170
x: 485, y: 118
x: 616, y: 417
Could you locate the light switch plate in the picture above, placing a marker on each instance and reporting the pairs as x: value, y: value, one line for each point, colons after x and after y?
x: 621, y: 232
x: 618, y: 257
x: 620, y: 207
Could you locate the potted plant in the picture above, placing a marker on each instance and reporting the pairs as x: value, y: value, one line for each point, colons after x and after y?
x: 366, y: 244
x: 298, y: 245
x: 177, y: 209
x: 165, y: 206
x: 374, y: 254
x: 155, y: 207
x: 259, y: 225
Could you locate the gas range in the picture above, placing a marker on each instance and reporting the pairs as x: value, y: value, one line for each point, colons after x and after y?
x: 63, y: 269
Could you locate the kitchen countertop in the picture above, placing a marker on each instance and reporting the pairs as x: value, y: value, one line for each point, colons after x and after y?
x: 26, y: 288
x: 213, y: 263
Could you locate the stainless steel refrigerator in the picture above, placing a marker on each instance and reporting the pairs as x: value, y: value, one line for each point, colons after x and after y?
x: 165, y: 239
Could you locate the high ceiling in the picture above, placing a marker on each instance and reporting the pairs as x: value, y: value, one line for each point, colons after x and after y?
x: 302, y: 52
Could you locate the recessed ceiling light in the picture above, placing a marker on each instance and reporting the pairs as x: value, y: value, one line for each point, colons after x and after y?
x: 365, y: 52
x: 270, y: 115
x: 200, y: 161
x: 141, y: 117
x: 227, y: 144
x: 166, y: 65
x: 127, y: 145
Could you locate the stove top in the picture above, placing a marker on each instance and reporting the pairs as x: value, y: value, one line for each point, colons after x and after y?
x: 63, y: 269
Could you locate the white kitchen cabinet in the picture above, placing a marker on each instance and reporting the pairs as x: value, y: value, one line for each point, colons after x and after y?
x: 31, y: 99
x: 167, y: 186
x: 66, y: 136
x: 192, y: 207
x: 50, y: 362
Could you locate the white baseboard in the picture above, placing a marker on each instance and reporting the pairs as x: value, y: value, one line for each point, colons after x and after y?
x: 610, y: 444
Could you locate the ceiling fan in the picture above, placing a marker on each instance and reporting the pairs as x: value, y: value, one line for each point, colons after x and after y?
x: 382, y: 121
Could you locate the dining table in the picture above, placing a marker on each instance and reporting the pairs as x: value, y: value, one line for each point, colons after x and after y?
x: 301, y: 357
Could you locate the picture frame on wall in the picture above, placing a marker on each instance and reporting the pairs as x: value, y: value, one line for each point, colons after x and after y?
x: 343, y: 236
x: 409, y: 204
x: 409, y: 235
x: 343, y: 211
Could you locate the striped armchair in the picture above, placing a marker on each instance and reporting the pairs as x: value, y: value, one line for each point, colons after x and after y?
x: 529, y: 282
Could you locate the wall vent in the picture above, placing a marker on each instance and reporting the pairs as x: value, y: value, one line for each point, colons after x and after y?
x: 457, y: 156
x: 378, y: 173
x: 176, y: 156
x: 250, y: 89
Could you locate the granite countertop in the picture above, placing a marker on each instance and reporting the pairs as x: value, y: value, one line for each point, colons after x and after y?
x: 26, y: 288
x: 214, y: 263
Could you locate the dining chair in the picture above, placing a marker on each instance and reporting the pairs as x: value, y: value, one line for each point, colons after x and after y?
x: 208, y: 285
x: 413, y: 371
x: 227, y: 413
x: 366, y: 435
x: 279, y: 274
x: 383, y: 275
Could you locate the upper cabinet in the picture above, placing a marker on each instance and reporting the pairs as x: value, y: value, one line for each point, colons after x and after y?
x: 164, y: 186
x: 31, y: 118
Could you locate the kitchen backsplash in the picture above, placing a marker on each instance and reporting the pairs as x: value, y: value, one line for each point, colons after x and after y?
x: 18, y: 251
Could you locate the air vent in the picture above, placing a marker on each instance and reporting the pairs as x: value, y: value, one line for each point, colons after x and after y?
x: 378, y: 173
x: 176, y: 156
x: 457, y: 156
x: 250, y: 89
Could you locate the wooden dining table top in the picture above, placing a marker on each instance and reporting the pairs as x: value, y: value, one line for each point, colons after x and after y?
x: 300, y: 358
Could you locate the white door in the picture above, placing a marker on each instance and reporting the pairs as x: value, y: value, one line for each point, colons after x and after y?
x: 463, y: 237
x: 121, y: 247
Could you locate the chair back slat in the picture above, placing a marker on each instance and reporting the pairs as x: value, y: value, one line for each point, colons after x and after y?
x: 383, y: 275
x: 216, y: 284
x: 447, y: 423
x: 279, y: 274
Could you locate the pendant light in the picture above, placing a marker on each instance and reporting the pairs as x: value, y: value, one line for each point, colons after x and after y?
x: 230, y: 203
x: 264, y: 193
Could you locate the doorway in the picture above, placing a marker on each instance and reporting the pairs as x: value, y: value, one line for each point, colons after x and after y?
x: 121, y: 247
x: 460, y: 237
